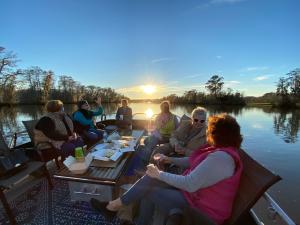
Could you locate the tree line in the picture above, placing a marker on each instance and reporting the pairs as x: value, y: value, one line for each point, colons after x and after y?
x: 34, y: 85
x: 287, y: 93
x: 288, y: 89
x: 216, y: 94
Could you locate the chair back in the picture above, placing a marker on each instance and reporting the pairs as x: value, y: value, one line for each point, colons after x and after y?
x: 255, y: 180
x: 30, y: 125
x: 4, y: 149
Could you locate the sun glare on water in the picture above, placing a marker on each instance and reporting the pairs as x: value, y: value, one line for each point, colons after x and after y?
x: 148, y: 89
x: 149, y: 113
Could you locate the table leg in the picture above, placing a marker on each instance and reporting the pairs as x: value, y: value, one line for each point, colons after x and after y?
x: 10, y: 214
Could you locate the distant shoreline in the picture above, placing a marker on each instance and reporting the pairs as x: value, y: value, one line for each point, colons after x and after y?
x: 157, y: 101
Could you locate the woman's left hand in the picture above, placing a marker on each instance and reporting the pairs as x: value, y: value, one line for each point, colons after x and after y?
x: 153, y: 171
x: 98, y: 101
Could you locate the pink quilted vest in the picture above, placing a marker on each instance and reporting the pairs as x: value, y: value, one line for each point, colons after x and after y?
x: 215, y: 201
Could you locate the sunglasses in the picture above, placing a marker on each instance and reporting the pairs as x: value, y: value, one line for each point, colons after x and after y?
x: 201, y: 121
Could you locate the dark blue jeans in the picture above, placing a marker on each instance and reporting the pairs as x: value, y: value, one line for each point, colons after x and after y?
x: 94, y: 135
x: 68, y: 148
x: 153, y: 192
x: 150, y: 143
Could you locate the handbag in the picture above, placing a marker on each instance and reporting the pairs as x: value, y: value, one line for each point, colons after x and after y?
x: 12, y: 163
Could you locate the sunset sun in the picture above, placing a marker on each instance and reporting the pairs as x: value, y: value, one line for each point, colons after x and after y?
x: 148, y: 89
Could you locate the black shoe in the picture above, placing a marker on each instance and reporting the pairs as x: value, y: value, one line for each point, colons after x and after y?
x: 174, y: 219
x: 140, y: 173
x: 101, y: 207
x: 126, y: 222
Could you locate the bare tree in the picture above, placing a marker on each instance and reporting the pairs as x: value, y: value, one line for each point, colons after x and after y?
x: 294, y: 82
x: 8, y: 76
x: 282, y: 87
x: 47, y: 84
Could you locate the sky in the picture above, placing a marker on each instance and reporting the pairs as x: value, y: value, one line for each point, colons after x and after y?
x: 174, y: 45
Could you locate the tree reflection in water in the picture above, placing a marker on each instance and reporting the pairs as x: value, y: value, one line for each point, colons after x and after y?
x: 286, y: 125
x: 11, y: 117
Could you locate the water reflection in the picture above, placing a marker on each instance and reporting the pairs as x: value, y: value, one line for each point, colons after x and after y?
x: 149, y: 113
x: 8, y: 116
x: 233, y: 110
x: 266, y: 132
x: 286, y: 125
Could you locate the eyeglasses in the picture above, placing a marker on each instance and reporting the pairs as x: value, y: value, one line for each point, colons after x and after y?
x: 201, y: 121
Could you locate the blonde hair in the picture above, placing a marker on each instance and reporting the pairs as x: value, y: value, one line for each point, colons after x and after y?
x: 54, y: 105
x: 199, y: 111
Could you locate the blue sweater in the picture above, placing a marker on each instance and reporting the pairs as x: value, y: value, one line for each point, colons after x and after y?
x: 79, y: 117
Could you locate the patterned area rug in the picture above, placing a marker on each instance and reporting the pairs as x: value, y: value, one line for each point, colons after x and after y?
x: 41, y: 206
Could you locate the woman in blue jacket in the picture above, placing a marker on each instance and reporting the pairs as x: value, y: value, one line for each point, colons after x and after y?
x: 84, y: 120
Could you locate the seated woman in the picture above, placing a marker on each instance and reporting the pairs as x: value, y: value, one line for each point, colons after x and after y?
x: 190, y: 135
x: 209, y: 183
x: 124, y: 115
x: 84, y: 122
x: 56, y: 127
x: 165, y: 124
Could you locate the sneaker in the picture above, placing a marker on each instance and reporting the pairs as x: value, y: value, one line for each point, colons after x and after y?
x: 101, y: 208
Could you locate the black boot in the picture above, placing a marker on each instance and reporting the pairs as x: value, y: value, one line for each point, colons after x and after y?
x: 101, y: 207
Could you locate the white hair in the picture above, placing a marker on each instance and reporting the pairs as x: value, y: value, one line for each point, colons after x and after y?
x: 199, y: 112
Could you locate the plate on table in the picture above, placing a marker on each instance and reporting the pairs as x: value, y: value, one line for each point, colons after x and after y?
x: 106, y: 154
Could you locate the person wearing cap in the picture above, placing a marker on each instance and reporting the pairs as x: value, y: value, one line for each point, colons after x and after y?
x: 124, y: 115
x: 56, y: 129
x: 84, y: 120
x: 189, y: 136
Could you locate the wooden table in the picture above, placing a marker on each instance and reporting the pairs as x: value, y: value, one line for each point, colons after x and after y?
x: 97, y: 176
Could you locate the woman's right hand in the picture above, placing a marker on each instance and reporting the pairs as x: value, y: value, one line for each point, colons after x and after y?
x: 73, y: 137
x: 161, y: 158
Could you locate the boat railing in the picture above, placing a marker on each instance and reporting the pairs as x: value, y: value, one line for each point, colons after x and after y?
x: 274, y: 211
x: 11, y: 138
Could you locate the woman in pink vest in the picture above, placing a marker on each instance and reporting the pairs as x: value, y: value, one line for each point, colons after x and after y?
x: 209, y: 183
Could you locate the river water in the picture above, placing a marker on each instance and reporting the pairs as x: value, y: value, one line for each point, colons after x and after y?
x: 271, y: 136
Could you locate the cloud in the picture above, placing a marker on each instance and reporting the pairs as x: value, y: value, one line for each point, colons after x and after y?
x: 259, y: 78
x: 225, y: 1
x: 197, y: 86
x: 159, y: 60
x: 231, y: 83
x: 172, y: 87
x: 219, y: 57
x: 254, y: 68
x: 193, y: 76
x: 132, y: 89
x: 217, y: 2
